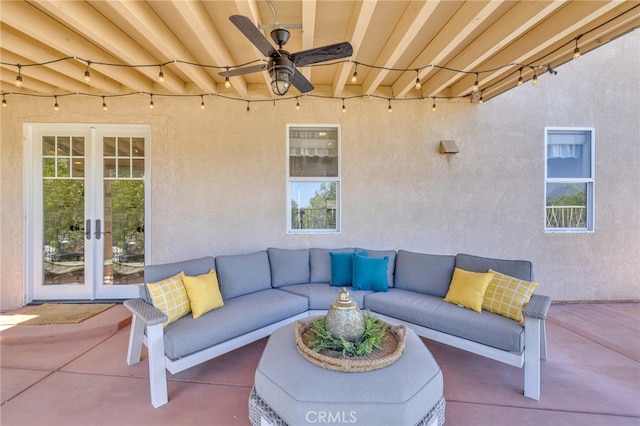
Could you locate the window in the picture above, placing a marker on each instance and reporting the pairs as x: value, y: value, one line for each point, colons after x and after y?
x: 313, y: 179
x: 569, y: 191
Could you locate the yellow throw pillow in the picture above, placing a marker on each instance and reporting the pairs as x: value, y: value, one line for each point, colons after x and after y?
x: 467, y: 288
x: 170, y: 296
x: 507, y: 296
x: 204, y: 293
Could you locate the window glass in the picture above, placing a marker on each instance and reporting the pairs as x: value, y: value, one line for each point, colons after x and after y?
x: 313, y: 179
x: 569, y: 187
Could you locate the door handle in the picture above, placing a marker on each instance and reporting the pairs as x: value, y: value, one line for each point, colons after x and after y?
x: 99, y: 232
x: 87, y: 229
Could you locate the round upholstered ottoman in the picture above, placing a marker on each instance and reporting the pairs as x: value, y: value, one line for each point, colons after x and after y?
x: 291, y: 390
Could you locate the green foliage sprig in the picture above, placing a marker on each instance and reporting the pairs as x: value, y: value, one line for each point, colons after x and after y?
x: 374, y: 332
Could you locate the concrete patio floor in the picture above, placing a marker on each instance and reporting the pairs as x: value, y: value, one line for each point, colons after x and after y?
x: 77, y: 375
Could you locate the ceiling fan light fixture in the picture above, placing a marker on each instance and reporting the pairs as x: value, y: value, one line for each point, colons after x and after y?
x: 280, y: 70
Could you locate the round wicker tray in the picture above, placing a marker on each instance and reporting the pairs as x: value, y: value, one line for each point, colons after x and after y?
x: 390, y: 350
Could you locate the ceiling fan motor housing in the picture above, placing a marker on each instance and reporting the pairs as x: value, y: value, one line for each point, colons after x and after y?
x: 280, y: 36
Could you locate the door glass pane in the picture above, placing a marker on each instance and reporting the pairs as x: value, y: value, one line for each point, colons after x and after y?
x: 63, y: 213
x: 124, y: 215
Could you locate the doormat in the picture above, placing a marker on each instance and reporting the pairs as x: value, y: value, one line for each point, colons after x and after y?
x: 56, y: 313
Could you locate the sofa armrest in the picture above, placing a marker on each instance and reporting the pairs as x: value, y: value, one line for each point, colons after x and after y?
x: 146, y: 312
x: 538, y: 307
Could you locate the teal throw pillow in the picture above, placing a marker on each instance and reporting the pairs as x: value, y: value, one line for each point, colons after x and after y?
x: 342, y: 268
x: 370, y: 273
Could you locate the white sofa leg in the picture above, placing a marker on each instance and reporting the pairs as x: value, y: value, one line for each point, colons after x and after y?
x: 543, y: 340
x: 532, y: 348
x: 157, y: 372
x: 136, y: 337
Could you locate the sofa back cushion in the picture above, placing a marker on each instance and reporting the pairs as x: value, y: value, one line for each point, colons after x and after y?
x: 424, y: 273
x: 243, y: 273
x: 320, y: 263
x: 391, y: 267
x: 288, y: 266
x: 155, y: 273
x: 521, y: 269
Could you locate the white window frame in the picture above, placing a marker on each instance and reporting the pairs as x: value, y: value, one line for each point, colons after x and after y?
x: 589, y: 181
x: 315, y: 179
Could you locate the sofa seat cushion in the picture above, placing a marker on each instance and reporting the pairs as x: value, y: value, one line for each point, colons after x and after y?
x: 238, y: 316
x: 432, y: 312
x: 322, y: 295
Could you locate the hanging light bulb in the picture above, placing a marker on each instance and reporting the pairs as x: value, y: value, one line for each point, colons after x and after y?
x: 161, y: 75
x: 354, y: 77
x: 534, y: 80
x: 248, y: 107
x: 151, y: 102
x: 418, y: 84
x: 104, y: 104
x: 576, y: 51
x: 390, y: 109
x: 227, y: 83
x: 476, y: 84
x: 87, y: 74
x: 520, y: 81
x: 4, y: 102
x: 201, y: 102
x: 481, y: 100
x: 297, y: 105
x: 433, y: 107
x: 55, y: 105
x: 19, y: 77
x: 344, y: 108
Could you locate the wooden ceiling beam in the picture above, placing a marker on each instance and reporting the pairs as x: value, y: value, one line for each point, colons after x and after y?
x: 51, y: 33
x: 308, y: 31
x: 140, y: 15
x: 357, y: 29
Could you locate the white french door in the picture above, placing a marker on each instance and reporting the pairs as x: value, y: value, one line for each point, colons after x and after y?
x: 87, y: 210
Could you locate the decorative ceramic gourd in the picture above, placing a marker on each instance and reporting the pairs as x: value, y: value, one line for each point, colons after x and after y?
x: 344, y: 318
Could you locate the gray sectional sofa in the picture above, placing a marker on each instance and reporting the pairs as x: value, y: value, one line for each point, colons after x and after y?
x: 265, y: 290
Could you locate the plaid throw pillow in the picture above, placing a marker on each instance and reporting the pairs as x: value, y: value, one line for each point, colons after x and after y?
x: 170, y: 296
x: 507, y: 296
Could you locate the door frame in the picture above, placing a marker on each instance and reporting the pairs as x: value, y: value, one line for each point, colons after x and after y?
x: 94, y: 287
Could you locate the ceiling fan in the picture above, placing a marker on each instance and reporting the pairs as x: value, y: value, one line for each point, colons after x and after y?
x: 282, y: 64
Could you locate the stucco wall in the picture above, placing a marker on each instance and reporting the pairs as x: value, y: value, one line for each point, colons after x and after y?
x: 218, y: 175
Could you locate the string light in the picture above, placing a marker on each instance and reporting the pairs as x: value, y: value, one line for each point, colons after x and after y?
x: 418, y: 84
x: 161, y: 75
x: 248, y: 107
x: 201, y: 102
x: 87, y: 74
x: 297, y: 105
x: 344, y: 108
x: 227, y: 83
x: 104, y: 104
x: 433, y: 107
x: 476, y: 84
x: 534, y: 80
x: 55, y: 105
x: 354, y: 77
x: 520, y: 80
x: 4, y: 102
x: 390, y: 109
x: 19, y: 77
x: 151, y: 102
x: 576, y: 51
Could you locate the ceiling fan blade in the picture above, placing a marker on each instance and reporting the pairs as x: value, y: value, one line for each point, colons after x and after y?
x: 300, y: 82
x: 254, y: 35
x: 242, y: 71
x: 321, y: 54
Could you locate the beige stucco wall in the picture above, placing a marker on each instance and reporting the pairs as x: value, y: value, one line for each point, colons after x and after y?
x: 218, y: 175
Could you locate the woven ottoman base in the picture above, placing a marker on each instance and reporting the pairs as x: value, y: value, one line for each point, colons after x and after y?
x: 290, y: 390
